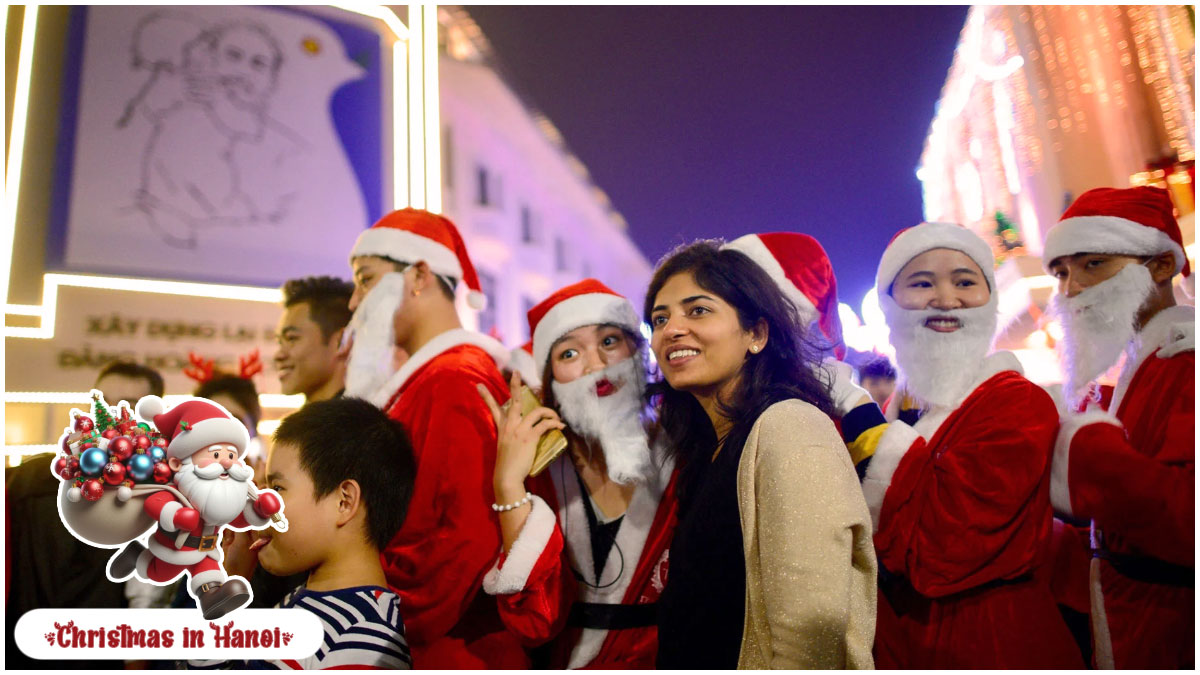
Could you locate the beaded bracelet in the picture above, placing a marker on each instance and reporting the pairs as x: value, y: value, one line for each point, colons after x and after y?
x: 510, y: 507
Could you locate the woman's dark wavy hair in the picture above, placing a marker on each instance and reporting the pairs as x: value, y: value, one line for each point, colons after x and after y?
x: 783, y: 370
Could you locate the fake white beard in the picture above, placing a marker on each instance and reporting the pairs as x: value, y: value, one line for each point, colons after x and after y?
x: 614, y: 421
x: 218, y: 501
x: 374, y: 334
x: 938, y: 369
x: 1098, y: 324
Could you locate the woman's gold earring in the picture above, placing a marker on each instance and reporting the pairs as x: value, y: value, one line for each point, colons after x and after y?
x: 754, y: 349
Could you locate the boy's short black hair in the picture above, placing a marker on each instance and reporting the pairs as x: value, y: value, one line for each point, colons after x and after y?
x: 328, y: 301
x: 134, y: 370
x: 880, y: 369
x: 350, y: 439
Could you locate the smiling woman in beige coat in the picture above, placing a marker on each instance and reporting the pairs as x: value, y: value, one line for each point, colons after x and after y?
x: 772, y: 564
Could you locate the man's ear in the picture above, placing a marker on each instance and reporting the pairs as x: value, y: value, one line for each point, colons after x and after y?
x: 349, y: 496
x: 175, y: 463
x: 1162, y: 267
x: 422, y: 276
x: 335, y: 338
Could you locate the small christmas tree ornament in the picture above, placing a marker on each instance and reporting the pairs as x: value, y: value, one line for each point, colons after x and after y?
x: 121, y: 448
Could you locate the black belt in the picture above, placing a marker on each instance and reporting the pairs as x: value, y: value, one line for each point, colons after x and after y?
x: 1148, y: 570
x: 612, y: 617
x: 205, y: 543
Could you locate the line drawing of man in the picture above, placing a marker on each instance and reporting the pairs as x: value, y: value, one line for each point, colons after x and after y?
x: 207, y: 99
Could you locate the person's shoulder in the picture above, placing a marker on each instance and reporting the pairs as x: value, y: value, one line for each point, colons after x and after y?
x: 461, y: 365
x: 364, y: 627
x: 1004, y: 378
x: 793, y: 411
x: 794, y: 420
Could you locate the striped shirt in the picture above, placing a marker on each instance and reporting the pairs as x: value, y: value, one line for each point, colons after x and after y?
x: 363, y: 629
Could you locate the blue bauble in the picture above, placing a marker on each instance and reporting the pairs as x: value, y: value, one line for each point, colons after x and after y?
x: 92, y: 461
x: 157, y: 454
x: 141, y: 467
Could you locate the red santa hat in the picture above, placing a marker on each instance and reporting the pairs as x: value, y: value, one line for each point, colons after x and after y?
x: 412, y: 235
x: 1130, y: 221
x: 580, y: 304
x: 192, y: 425
x: 799, y: 266
x: 913, y: 241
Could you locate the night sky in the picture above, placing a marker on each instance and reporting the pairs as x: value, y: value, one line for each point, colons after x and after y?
x: 718, y: 121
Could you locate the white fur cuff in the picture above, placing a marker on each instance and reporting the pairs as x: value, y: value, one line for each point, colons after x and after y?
x: 893, y: 444
x: 166, y: 517
x: 252, y: 516
x: 1060, y: 487
x: 525, y: 552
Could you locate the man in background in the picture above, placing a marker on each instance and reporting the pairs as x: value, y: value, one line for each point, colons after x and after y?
x: 878, y: 377
x: 315, y: 313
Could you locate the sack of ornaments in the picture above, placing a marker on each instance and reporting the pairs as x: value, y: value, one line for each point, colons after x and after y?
x: 108, y: 464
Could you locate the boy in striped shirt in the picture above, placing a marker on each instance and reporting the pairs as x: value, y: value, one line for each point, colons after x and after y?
x: 345, y: 471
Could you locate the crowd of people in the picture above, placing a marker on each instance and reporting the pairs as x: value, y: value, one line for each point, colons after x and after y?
x: 729, y: 493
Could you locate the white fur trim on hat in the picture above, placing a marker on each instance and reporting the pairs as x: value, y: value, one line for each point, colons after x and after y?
x: 1107, y: 234
x: 407, y: 247
x: 753, y: 248
x: 531, y: 543
x: 207, y: 432
x: 1060, y: 486
x: 149, y: 406
x: 581, y: 310
x: 926, y: 237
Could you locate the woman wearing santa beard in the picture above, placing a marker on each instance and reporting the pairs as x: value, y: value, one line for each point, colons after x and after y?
x: 772, y: 564
x: 958, y: 486
x: 585, y: 541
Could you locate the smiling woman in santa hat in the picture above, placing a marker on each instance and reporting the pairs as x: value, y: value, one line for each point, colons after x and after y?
x: 604, y: 512
x: 772, y: 564
x: 958, y: 485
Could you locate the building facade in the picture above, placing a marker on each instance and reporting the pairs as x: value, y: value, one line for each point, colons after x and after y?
x: 531, y: 217
x: 1041, y: 104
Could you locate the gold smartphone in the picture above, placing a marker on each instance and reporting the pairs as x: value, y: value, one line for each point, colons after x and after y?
x: 551, y: 444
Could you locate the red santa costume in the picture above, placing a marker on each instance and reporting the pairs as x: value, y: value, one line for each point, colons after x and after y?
x: 960, y: 497
x: 609, y: 617
x: 187, y: 536
x: 1131, y: 469
x: 437, y: 561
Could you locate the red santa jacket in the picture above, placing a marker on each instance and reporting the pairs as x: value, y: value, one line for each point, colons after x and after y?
x: 450, y: 536
x: 169, y: 544
x: 535, y: 582
x: 962, y: 517
x: 1134, y: 476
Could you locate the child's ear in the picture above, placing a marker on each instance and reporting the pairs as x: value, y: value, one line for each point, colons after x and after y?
x: 349, y: 501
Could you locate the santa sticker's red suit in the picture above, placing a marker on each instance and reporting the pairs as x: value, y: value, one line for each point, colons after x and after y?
x: 213, y: 490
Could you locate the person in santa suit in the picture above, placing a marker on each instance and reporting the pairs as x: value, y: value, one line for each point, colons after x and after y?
x: 204, y: 450
x: 603, y: 513
x: 958, y: 482
x: 799, y: 266
x: 1130, y: 467
x: 406, y: 269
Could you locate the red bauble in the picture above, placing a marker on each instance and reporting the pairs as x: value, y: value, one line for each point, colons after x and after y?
x: 142, y: 442
x: 109, y: 433
x: 60, y: 465
x: 84, y: 424
x: 161, y: 442
x: 92, y: 489
x: 114, y: 473
x: 162, y: 473
x: 121, y: 447
x: 73, y: 464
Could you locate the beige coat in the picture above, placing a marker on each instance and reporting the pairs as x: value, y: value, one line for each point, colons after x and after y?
x: 806, y: 532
